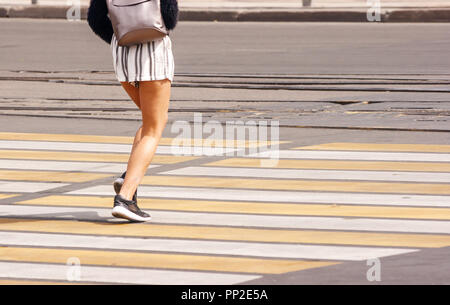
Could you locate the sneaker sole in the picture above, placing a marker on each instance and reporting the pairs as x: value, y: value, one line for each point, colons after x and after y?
x: 121, y: 212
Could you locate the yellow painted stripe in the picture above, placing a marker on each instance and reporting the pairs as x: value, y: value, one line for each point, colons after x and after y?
x: 41, y: 176
x: 252, y: 207
x: 226, y: 233
x: 160, y: 261
x: 5, y: 196
x: 80, y: 156
x: 338, y: 165
x: 128, y: 140
x: 300, y: 185
x: 64, y: 138
x: 380, y: 147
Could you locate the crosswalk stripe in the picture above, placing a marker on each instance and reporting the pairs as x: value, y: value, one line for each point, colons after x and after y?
x: 65, y: 166
x: 277, y: 196
x: 83, y: 156
x: 237, y: 249
x: 354, y: 155
x: 218, y: 182
x: 102, y: 147
x: 337, y: 165
x: 199, y: 232
x: 300, y: 185
x: 18, y: 136
x: 126, y: 140
x: 49, y: 176
x: 186, y: 150
x: 161, y: 261
x: 239, y: 220
x: 310, y: 174
x: 27, y: 187
x: 122, y: 275
x: 251, y: 207
x: 315, y: 206
x: 6, y: 196
x: 380, y: 147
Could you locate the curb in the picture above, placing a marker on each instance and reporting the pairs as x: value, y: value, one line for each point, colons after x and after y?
x: 287, y: 15
x: 432, y: 15
x: 33, y: 11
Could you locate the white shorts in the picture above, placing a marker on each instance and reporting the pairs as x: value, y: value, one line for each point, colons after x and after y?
x: 143, y: 62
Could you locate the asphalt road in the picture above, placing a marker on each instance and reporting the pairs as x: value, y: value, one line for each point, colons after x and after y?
x: 373, y: 184
x: 399, y: 72
x: 47, y: 219
x: 286, y: 48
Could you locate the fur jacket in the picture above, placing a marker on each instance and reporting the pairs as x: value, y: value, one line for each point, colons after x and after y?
x: 100, y: 23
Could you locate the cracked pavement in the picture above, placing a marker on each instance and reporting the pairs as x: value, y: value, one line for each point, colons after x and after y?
x: 349, y: 101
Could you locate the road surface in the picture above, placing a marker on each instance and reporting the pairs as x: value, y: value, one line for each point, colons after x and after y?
x: 369, y: 191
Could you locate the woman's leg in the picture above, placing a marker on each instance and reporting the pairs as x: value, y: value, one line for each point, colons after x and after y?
x: 154, y: 104
x: 133, y: 92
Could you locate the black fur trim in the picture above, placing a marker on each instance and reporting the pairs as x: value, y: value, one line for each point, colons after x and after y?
x: 169, y: 11
x: 98, y: 20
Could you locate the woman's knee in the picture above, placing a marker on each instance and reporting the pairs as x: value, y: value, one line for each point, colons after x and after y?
x: 165, y: 118
x: 155, y: 99
x: 154, y: 123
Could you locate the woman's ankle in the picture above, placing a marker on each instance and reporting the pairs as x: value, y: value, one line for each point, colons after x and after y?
x: 127, y: 196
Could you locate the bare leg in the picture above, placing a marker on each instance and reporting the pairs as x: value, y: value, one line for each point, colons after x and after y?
x: 133, y: 92
x: 154, y: 104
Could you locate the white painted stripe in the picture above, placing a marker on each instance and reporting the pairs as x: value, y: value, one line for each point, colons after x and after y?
x: 137, y: 276
x: 64, y: 166
x: 346, y: 253
x: 28, y: 187
x: 354, y: 155
x: 108, y: 148
x: 278, y: 196
x: 310, y: 174
x: 237, y: 220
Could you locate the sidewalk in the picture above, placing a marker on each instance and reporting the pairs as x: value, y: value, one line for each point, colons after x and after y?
x: 259, y: 10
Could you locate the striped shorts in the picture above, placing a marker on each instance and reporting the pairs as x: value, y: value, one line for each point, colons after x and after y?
x: 143, y: 62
